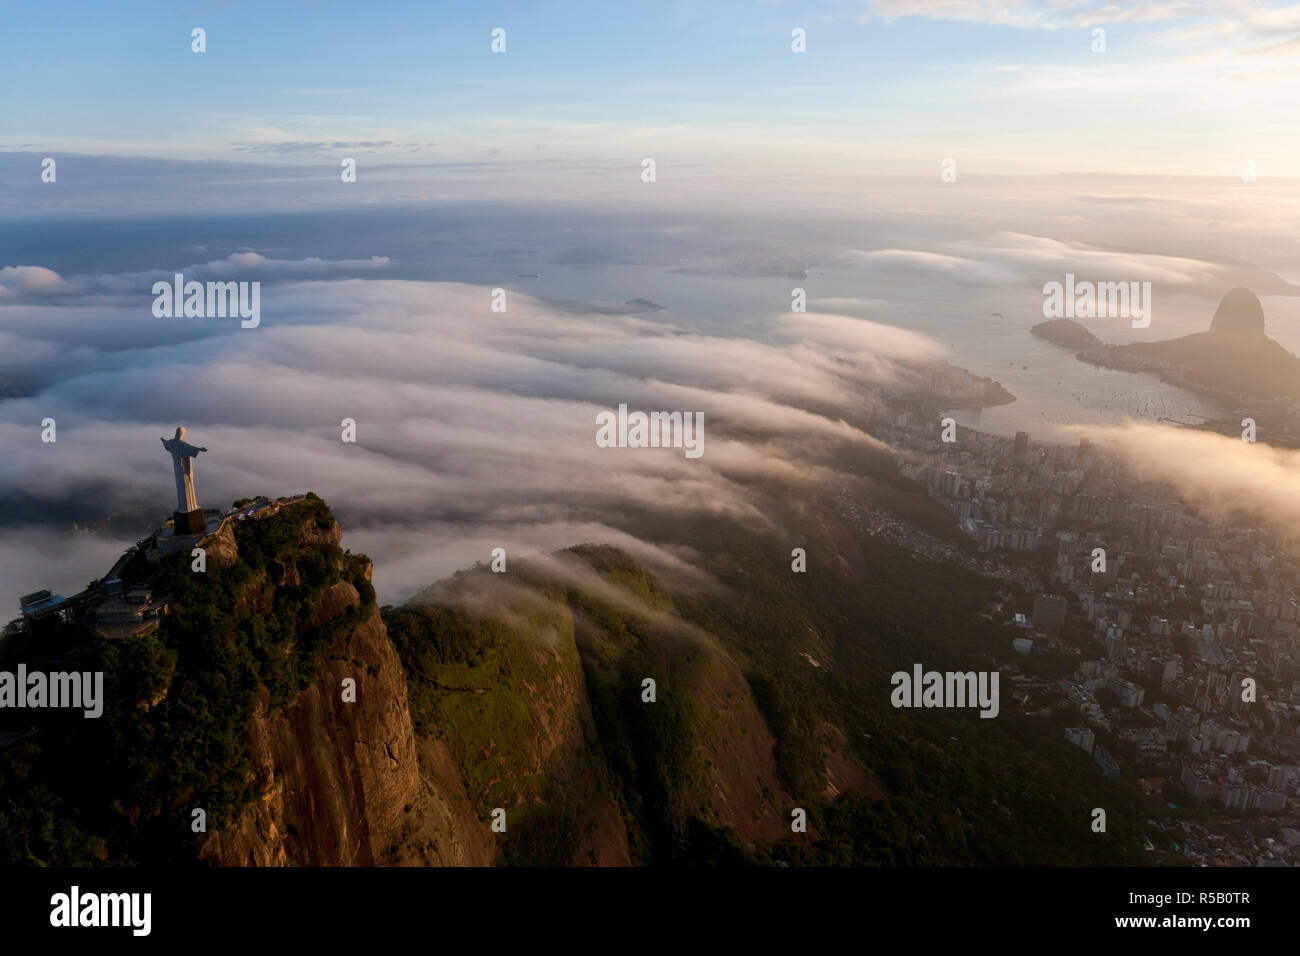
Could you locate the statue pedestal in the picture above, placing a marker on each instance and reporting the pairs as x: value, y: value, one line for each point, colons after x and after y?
x: 189, y: 522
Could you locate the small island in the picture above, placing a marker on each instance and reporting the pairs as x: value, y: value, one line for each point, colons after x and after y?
x: 1066, y: 332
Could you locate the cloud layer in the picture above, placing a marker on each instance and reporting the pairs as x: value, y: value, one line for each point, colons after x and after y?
x: 475, y: 429
x: 1225, y: 475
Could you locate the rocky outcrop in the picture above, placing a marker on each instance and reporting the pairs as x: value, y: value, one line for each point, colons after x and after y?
x: 337, y: 780
x: 336, y: 774
x: 1239, y: 315
x: 1234, y: 360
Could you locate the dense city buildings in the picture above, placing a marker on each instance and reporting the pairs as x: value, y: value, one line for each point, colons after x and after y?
x: 1161, y: 634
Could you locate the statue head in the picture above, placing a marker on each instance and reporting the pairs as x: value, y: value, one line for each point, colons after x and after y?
x: 180, y: 431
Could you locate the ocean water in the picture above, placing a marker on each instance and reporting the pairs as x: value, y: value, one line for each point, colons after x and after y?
x: 985, y: 331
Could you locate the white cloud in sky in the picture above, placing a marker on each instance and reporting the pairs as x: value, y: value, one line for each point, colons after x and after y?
x: 474, y: 427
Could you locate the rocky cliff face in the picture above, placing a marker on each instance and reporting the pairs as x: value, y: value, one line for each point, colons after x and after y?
x: 336, y: 779
x: 524, y: 695
x: 336, y: 773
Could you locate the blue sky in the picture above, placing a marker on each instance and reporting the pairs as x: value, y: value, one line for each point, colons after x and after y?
x: 885, y: 86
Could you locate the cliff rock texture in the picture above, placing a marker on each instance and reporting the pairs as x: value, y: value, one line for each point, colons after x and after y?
x: 337, y: 782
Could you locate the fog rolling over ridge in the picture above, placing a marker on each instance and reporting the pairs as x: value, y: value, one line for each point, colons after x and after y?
x: 475, y: 430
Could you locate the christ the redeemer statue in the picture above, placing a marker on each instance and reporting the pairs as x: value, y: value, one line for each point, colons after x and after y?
x: 188, y: 518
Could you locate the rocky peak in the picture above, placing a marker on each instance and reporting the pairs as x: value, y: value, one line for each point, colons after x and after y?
x: 1239, y: 315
